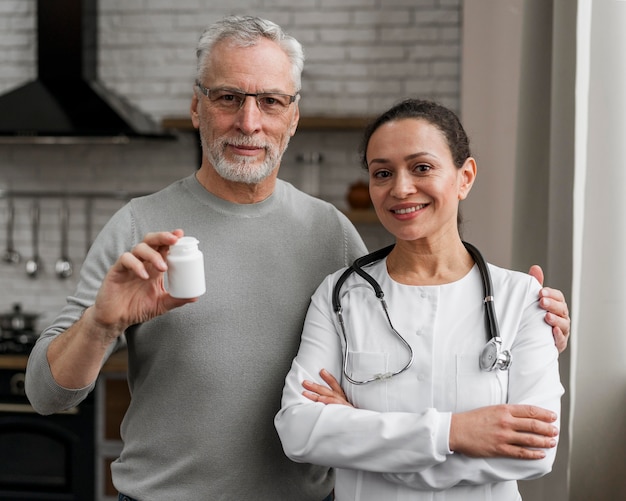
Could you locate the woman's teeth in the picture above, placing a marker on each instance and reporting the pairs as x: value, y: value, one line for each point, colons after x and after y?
x: 408, y: 210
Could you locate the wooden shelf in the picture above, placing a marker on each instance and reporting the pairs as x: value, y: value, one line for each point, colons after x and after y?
x: 13, y: 361
x: 306, y: 123
x: 116, y: 362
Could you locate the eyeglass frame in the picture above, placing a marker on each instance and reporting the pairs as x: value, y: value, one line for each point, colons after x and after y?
x: 206, y: 91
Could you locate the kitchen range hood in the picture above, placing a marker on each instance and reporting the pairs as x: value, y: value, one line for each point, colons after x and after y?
x: 66, y: 103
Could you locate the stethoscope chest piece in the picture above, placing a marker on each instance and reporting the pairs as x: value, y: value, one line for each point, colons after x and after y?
x: 494, y: 357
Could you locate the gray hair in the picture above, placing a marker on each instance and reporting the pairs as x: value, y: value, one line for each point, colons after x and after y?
x: 245, y: 31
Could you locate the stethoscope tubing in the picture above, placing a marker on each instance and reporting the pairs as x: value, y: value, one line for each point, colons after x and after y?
x: 492, y: 357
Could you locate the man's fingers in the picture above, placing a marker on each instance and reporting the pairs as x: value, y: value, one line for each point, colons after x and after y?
x: 162, y: 238
x: 146, y: 253
x: 536, y: 271
x: 553, y: 300
x: 560, y: 339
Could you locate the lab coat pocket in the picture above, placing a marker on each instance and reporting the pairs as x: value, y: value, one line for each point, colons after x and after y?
x: 476, y: 388
x: 361, y: 366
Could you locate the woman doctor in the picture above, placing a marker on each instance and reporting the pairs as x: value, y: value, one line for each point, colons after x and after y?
x: 393, y: 395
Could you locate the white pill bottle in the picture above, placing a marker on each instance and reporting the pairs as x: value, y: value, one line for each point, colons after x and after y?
x: 185, y: 269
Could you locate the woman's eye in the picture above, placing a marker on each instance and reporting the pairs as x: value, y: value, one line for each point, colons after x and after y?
x: 382, y: 174
x: 422, y: 168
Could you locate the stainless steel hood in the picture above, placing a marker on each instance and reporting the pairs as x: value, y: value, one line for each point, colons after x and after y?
x: 66, y: 103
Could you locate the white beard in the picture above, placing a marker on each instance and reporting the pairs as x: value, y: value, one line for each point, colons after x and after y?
x: 242, y: 169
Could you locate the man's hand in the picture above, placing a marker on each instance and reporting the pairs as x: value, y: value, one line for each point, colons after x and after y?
x: 553, y: 301
x: 133, y: 290
x: 513, y: 431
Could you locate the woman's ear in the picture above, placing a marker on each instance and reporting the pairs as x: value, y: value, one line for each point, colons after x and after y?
x: 467, y: 175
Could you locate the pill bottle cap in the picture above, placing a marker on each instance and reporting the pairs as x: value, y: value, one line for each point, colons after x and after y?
x: 184, y: 245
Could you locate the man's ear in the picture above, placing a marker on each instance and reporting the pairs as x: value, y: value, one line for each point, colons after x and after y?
x: 193, y: 110
x: 295, y: 120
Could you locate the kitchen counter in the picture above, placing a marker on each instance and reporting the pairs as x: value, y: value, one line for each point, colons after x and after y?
x: 116, y: 362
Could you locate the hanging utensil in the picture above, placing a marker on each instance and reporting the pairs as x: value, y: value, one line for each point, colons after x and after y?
x: 33, y: 265
x: 11, y: 255
x: 63, y: 266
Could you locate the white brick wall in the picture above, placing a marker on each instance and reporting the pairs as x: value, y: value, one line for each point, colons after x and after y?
x: 362, y: 55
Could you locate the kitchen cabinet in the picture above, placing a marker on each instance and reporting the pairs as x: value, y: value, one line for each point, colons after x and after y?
x: 113, y: 398
x: 43, y: 456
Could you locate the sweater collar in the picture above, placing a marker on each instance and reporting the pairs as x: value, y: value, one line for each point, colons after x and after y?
x: 242, y: 210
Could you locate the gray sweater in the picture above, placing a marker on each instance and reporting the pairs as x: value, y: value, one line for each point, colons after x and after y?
x: 206, y: 379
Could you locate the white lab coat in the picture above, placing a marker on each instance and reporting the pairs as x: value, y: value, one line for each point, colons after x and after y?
x: 393, y: 446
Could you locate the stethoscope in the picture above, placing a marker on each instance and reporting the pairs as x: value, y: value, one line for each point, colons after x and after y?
x: 492, y: 356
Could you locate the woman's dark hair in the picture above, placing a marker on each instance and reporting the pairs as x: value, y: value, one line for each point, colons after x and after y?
x: 436, y: 114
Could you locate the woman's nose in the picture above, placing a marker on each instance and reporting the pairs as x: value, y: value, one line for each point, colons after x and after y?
x: 403, y: 185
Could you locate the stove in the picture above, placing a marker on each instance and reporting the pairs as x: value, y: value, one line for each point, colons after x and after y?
x: 18, y: 331
x: 21, y: 344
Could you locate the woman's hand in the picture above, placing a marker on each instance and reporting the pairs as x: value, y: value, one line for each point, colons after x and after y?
x: 553, y: 301
x: 513, y: 431
x: 331, y: 394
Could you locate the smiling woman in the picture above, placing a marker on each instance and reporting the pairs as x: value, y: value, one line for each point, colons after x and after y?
x: 427, y: 341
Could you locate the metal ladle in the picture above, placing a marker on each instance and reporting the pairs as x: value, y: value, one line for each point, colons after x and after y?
x: 10, y: 254
x: 33, y: 265
x: 63, y: 266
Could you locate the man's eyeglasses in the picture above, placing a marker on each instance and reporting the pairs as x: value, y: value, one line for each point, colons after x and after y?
x: 230, y: 100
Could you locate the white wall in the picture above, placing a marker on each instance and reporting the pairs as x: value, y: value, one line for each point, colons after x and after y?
x: 490, y: 70
x: 598, y: 424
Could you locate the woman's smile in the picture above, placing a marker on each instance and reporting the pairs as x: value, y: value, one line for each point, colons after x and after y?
x: 408, y: 210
